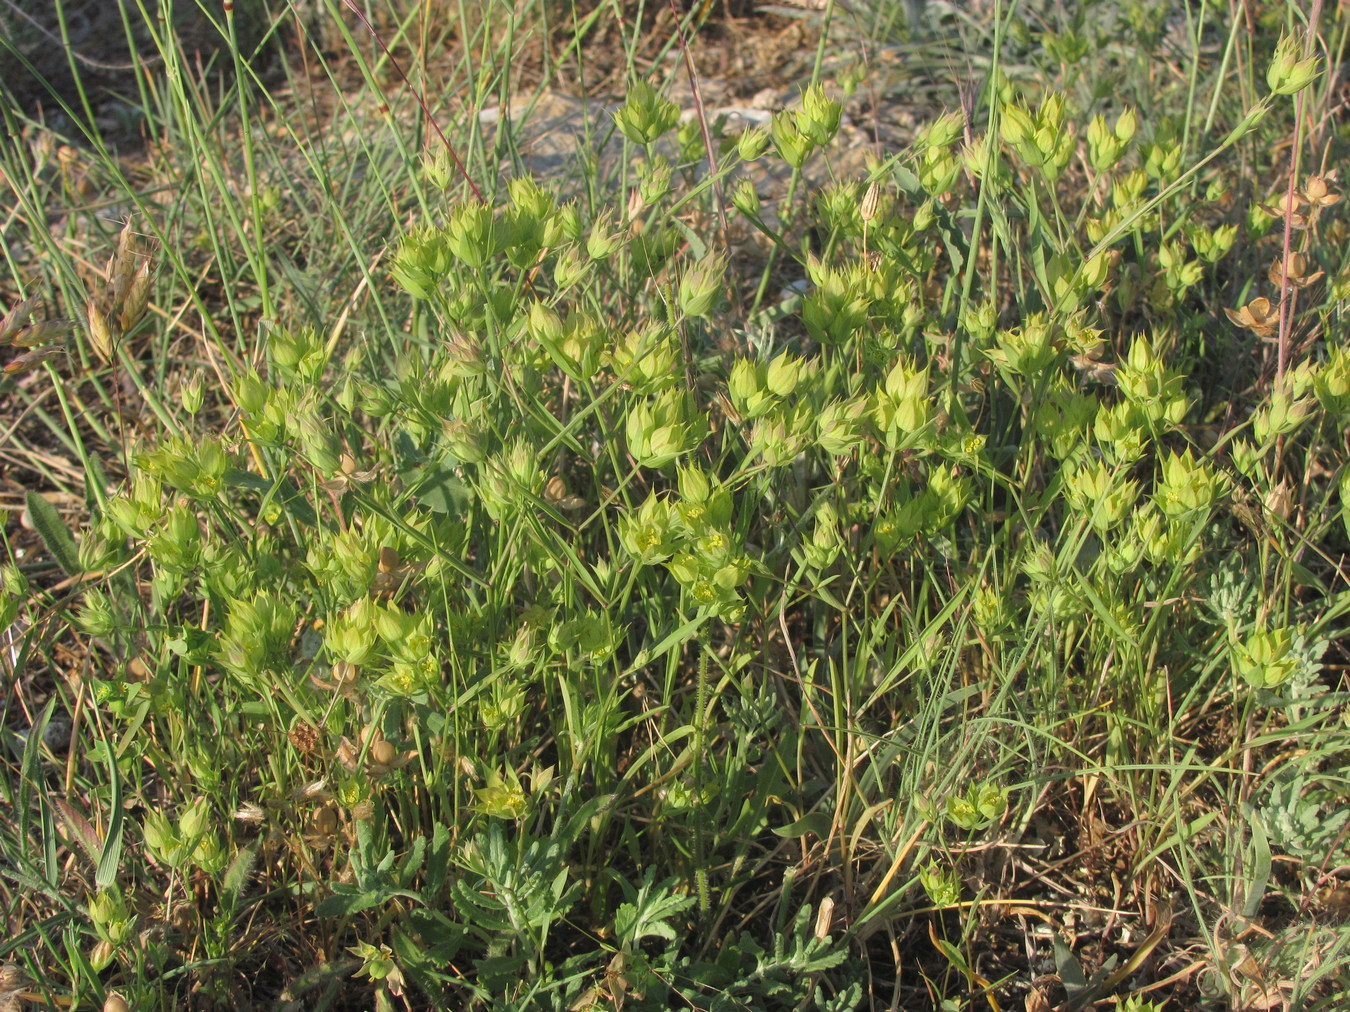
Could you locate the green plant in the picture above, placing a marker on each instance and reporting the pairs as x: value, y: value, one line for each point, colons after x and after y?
x: 546, y: 601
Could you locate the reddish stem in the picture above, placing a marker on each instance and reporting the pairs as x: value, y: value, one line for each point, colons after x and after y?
x: 421, y: 100
x: 1286, y: 295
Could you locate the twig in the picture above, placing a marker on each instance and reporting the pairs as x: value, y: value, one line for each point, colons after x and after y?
x: 88, y: 61
x: 702, y: 115
x: 421, y: 100
x: 1286, y: 293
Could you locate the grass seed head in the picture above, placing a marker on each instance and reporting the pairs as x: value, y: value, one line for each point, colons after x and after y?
x: 100, y: 331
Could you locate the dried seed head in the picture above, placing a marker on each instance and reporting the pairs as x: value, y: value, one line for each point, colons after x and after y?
x: 555, y: 492
x: 12, y: 978
x: 1280, y: 500
x: 389, y: 560
x: 1095, y: 370
x: 100, y: 332
x: 17, y: 318
x: 137, y: 296
x: 28, y: 359
x: 324, y: 821
x: 249, y: 812
x: 347, y: 753
x: 824, y: 916
x: 43, y: 333
x: 312, y: 790
x: 305, y: 737
x: 383, y: 753
x: 122, y: 264
x: 1317, y: 191
x: 73, y: 172
x: 115, y: 1003
x: 871, y: 199
x: 363, y: 810
x: 44, y: 143
x: 1259, y: 316
x: 1287, y: 206
x: 1293, y: 268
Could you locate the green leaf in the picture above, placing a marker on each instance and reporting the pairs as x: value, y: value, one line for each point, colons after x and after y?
x: 1260, y: 867
x: 817, y: 823
x: 411, y: 863
x: 438, y: 861
x: 54, y: 533
x: 96, y: 482
x: 1070, y: 970
x: 954, y: 956
x: 347, y: 900
x: 437, y: 487
x: 111, y: 859
x: 284, y: 489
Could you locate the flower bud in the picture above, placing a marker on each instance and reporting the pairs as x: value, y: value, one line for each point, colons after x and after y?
x: 752, y: 143
x: 1263, y: 660
x: 783, y: 374
x: 571, y: 268
x: 190, y: 395
x: 701, y: 284
x: 745, y: 198
x: 463, y: 441
x: 195, y: 819
x: 653, y: 180
x: 469, y: 235
x: 544, y: 325
x: 793, y: 146
x: 250, y: 393
x: 1287, y: 74
x: 601, y: 243
x: 693, y: 483
x: 645, y: 115
x: 102, y: 955
x: 438, y: 169
x: 818, y: 116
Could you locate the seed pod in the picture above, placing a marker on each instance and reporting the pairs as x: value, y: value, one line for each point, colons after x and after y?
x: 325, y: 821
x: 867, y: 210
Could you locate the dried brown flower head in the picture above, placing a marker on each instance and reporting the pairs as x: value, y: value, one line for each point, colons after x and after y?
x: 1294, y: 268
x: 1258, y: 316
x: 1287, y: 206
x: 305, y: 737
x: 1317, y: 190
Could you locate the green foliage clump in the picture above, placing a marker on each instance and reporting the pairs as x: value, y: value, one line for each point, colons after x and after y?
x: 616, y: 598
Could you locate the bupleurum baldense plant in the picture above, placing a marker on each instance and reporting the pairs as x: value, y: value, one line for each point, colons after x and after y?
x: 725, y: 585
